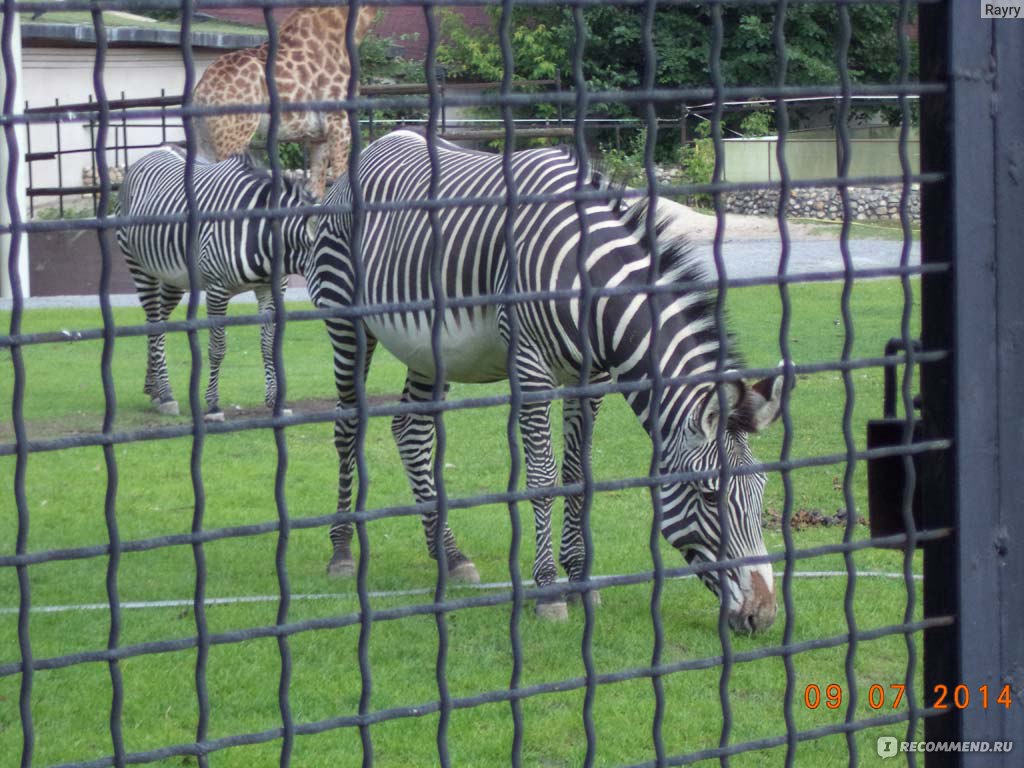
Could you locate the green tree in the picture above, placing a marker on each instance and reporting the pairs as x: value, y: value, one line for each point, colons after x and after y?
x: 544, y: 39
x: 538, y: 38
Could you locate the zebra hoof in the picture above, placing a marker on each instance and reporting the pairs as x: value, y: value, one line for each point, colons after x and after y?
x: 552, y: 611
x: 341, y: 568
x: 214, y: 416
x: 593, y: 597
x: 168, y: 408
x: 464, y: 573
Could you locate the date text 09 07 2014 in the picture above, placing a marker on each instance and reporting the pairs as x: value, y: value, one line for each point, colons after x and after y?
x: 882, y: 697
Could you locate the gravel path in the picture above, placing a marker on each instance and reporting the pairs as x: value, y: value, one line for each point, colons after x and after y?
x: 760, y: 258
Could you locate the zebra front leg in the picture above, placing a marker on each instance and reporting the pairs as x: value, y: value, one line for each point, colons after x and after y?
x: 541, y: 472
x: 572, y: 549
x: 414, y: 435
x: 343, y: 340
x: 216, y: 306
x: 265, y: 301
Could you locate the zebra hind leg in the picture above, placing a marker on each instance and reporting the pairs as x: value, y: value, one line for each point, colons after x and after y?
x: 170, y: 297
x: 541, y: 472
x: 414, y: 434
x: 341, y: 563
x: 572, y: 549
x: 153, y: 296
x: 265, y: 301
x: 346, y: 429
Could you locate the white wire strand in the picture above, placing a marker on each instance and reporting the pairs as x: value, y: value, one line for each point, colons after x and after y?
x: 243, y: 599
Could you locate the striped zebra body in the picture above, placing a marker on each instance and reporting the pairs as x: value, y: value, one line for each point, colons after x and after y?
x: 232, y: 256
x: 394, y: 265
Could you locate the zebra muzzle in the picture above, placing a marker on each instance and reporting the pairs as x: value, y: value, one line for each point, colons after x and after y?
x: 759, y: 606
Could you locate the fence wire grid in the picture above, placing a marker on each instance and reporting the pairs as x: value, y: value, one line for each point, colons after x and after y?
x: 587, y: 677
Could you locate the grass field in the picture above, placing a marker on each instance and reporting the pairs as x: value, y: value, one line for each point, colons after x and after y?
x: 65, y: 491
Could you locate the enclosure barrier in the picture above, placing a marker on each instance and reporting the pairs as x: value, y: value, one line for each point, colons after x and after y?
x: 124, y: 115
x: 971, y: 387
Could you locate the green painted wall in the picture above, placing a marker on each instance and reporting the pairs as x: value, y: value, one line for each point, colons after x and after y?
x: 874, y: 151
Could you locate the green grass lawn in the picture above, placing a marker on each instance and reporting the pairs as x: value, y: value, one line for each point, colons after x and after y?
x: 65, y: 491
x: 879, y: 229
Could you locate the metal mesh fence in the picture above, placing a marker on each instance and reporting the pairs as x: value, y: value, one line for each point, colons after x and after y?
x: 590, y: 675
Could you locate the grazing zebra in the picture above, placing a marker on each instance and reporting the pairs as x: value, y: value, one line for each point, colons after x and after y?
x: 233, y: 256
x: 395, y: 256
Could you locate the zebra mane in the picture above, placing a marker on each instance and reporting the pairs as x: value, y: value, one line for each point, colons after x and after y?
x: 678, y: 263
x: 246, y: 160
x: 252, y: 164
x: 601, y: 178
x: 677, y: 260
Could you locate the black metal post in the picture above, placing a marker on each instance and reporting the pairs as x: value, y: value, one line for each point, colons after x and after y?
x: 163, y: 119
x: 442, y: 81
x: 92, y: 154
x: 124, y: 135
x: 558, y: 90
x: 28, y: 164
x: 973, y: 222
x: 60, y: 162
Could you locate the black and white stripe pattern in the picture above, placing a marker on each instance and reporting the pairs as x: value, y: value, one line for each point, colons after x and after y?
x: 395, y: 258
x: 233, y: 256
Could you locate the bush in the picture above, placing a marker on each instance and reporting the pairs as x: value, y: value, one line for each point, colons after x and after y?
x: 626, y: 166
x: 292, y: 156
x: 698, y: 162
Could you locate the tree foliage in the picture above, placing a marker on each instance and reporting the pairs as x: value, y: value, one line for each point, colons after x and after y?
x: 544, y: 41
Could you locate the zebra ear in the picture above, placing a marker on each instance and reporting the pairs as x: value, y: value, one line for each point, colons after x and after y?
x: 761, y: 405
x: 710, y: 412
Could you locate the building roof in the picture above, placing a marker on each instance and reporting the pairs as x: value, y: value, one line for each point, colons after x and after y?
x: 226, y: 28
x: 76, y: 30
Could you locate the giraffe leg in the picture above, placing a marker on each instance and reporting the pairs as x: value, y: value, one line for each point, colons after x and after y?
x: 216, y: 306
x: 541, y: 472
x: 339, y: 139
x: 265, y: 301
x: 414, y: 434
x: 572, y: 549
x: 318, y: 159
x: 343, y: 338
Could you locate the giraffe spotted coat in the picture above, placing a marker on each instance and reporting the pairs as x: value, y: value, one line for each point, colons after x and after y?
x: 312, y: 64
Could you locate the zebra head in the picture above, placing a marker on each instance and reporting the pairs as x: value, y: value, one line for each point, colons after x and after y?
x: 692, y: 513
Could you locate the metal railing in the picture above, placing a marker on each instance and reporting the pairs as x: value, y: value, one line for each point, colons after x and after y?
x: 162, y: 130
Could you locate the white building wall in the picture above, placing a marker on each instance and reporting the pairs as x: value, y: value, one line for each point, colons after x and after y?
x: 67, y: 74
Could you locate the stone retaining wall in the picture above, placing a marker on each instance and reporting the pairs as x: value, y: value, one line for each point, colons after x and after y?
x: 866, y: 203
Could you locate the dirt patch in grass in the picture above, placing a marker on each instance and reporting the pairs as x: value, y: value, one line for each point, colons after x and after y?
x: 91, y: 423
x: 808, y: 518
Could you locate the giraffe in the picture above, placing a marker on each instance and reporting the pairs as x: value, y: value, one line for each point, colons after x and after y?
x: 312, y: 65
